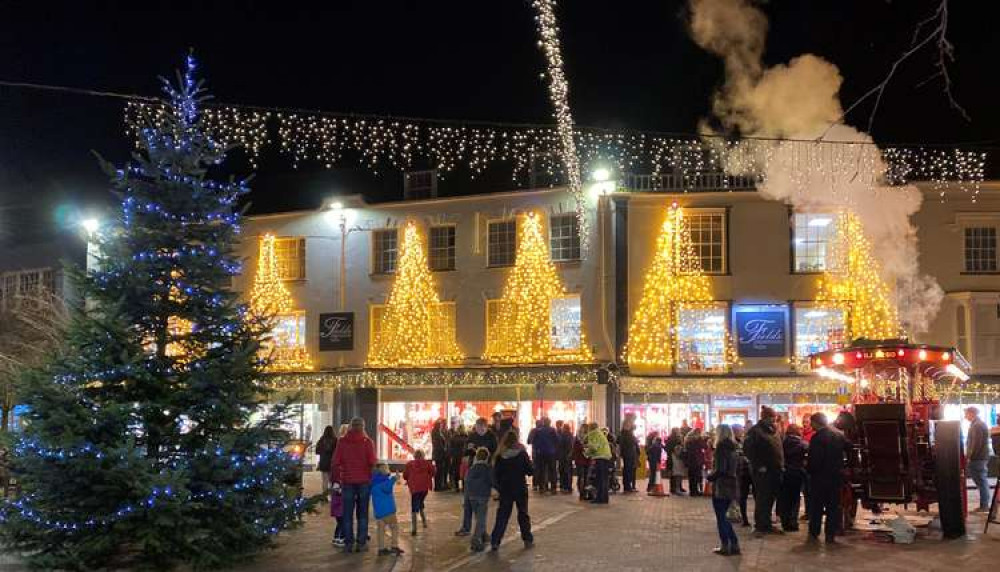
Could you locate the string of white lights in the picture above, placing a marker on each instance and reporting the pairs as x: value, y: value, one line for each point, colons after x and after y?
x: 548, y: 41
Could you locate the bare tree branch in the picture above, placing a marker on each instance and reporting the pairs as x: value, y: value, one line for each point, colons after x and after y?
x: 931, y: 31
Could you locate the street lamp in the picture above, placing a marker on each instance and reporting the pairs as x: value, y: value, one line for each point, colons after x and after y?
x: 91, y: 225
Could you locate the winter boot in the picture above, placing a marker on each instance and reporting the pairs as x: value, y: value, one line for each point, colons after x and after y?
x: 423, y: 519
x: 413, y: 524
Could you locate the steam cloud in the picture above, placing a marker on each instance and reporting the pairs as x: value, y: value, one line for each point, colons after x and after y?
x: 800, y: 100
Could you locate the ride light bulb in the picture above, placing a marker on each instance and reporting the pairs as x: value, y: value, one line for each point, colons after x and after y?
x: 838, y: 358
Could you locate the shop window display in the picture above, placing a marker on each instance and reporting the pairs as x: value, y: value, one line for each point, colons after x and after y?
x: 565, y: 318
x: 406, y: 427
x: 817, y: 329
x: 662, y: 417
x: 701, y: 339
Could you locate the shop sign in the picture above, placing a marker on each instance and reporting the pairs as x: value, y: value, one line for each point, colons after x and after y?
x: 336, y: 331
x: 760, y: 333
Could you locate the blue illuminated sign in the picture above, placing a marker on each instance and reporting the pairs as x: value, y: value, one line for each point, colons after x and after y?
x: 761, y: 331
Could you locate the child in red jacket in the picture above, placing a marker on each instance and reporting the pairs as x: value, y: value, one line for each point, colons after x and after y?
x: 419, y: 475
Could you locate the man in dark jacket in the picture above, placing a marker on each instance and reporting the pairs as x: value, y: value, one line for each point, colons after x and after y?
x: 977, y: 451
x: 543, y: 447
x: 481, y: 436
x: 352, y: 465
x: 763, y: 450
x: 794, y: 449
x: 564, y: 454
x: 439, y: 453
x: 629, y: 450
x: 825, y: 466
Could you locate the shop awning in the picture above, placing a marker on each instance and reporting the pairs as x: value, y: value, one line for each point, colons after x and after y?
x: 730, y: 385
x: 438, y: 377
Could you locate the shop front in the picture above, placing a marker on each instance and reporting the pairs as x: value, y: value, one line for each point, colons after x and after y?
x: 663, y: 403
x: 400, y: 406
x: 406, y: 416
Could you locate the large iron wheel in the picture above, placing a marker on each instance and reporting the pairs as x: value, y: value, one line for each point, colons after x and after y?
x: 949, y: 477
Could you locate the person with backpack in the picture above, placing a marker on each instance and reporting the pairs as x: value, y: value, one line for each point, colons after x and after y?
x: 511, y: 467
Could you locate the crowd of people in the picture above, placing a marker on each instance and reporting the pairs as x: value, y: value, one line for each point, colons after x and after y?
x: 780, y: 463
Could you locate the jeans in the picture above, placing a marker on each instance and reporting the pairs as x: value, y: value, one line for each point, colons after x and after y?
x: 694, y: 481
x: 979, y: 475
x: 824, y: 497
x: 479, y: 508
x: 582, y: 472
x: 565, y: 470
x: 466, y: 515
x: 601, y: 468
x: 456, y: 471
x: 441, y: 473
x: 789, y: 499
x: 545, y: 477
x: 765, y: 490
x: 507, y: 502
x: 417, y: 502
x: 355, y: 506
x: 628, y: 473
x: 746, y: 485
x: 727, y: 536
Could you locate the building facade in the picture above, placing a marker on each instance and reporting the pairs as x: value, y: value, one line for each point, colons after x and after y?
x: 741, y: 346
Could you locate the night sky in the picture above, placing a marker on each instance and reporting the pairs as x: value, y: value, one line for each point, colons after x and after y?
x: 629, y: 63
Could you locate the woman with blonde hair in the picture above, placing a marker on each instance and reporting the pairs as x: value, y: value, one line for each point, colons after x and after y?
x: 725, y: 489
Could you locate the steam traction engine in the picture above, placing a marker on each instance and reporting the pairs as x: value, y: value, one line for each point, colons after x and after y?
x: 901, y: 451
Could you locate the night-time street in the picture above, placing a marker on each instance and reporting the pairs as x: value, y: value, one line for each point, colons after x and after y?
x: 288, y: 287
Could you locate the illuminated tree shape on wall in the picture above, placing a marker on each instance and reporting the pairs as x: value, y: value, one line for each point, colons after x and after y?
x: 271, y: 300
x: 675, y: 279
x: 855, y: 285
x: 522, y: 330
x: 410, y: 332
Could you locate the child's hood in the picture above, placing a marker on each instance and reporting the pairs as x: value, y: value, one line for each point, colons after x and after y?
x: 379, y: 478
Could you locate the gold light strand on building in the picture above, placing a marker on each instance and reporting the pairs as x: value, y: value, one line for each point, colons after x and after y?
x: 416, y: 329
x: 856, y: 287
x: 674, y: 281
x: 271, y: 300
x: 521, y: 331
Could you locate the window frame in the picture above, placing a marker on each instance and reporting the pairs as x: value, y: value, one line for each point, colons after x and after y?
x: 573, y: 238
x: 722, y: 212
x: 723, y: 307
x: 579, y: 299
x: 300, y: 254
x: 451, y: 249
x: 800, y: 363
x: 980, y: 226
x: 827, y: 243
x: 375, y: 269
x: 489, y: 249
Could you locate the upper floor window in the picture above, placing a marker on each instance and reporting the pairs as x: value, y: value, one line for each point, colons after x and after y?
x: 564, y: 237
x: 26, y: 283
x: 567, y: 327
x: 980, y: 249
x: 384, y: 249
x: 702, y: 338
x: 708, y: 238
x: 442, y: 247
x: 443, y: 326
x: 501, y: 242
x: 811, y: 242
x: 420, y: 184
x: 291, y: 258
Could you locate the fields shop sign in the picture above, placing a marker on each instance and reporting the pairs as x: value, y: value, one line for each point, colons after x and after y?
x: 761, y: 331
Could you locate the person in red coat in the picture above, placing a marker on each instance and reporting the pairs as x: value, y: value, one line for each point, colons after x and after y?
x: 352, y: 466
x: 581, y: 462
x: 419, y: 476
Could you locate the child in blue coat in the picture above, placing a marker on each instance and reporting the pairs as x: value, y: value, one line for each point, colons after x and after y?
x: 384, y: 505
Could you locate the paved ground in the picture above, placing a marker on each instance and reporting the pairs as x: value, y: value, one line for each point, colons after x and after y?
x: 633, y: 533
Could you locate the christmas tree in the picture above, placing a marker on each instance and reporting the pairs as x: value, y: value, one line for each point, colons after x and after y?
x: 415, y: 328
x: 854, y: 284
x: 139, y: 449
x: 521, y: 331
x: 675, y: 279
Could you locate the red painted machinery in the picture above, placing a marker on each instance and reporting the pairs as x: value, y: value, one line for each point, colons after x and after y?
x: 901, y: 451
